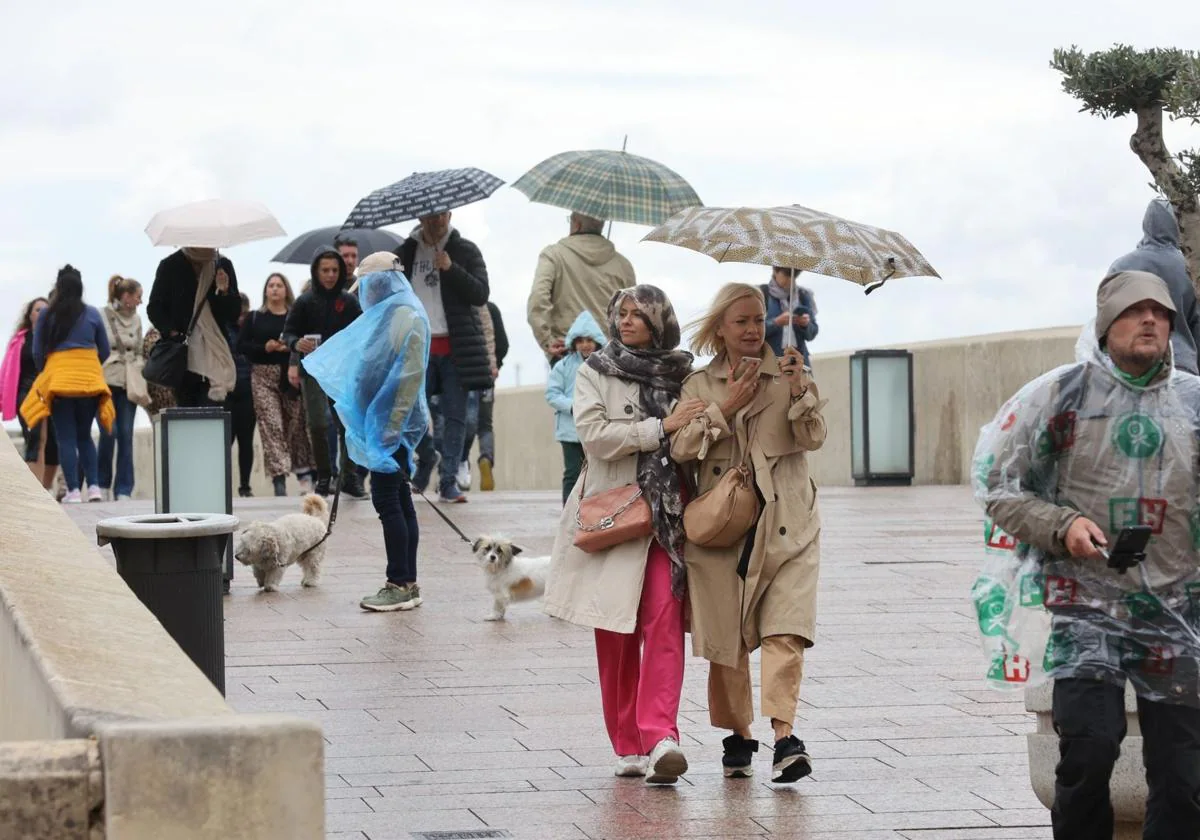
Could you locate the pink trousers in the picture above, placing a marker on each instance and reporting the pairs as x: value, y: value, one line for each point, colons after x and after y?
x: 641, y: 673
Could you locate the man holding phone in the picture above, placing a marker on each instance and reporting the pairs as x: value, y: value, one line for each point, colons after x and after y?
x: 1087, y: 467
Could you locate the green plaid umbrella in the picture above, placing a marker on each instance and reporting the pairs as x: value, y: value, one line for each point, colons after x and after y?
x: 614, y: 186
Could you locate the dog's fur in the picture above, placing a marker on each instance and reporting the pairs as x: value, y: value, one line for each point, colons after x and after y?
x: 510, y: 575
x: 270, y: 547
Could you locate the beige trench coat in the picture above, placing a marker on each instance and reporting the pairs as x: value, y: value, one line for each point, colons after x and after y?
x: 602, y: 590
x: 779, y: 595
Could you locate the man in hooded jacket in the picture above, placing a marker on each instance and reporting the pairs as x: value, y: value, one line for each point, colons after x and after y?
x: 1159, y: 253
x: 580, y: 272
x: 322, y: 311
x: 1075, y: 457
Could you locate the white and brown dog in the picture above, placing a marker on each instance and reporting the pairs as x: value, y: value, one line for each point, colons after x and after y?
x: 270, y: 547
x: 510, y: 575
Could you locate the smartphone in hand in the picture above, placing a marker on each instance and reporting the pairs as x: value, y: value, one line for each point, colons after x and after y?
x: 1128, y: 549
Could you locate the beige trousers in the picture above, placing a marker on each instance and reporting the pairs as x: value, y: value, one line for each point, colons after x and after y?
x: 731, y: 696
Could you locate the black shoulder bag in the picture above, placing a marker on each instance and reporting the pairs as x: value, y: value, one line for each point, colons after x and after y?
x: 166, y: 366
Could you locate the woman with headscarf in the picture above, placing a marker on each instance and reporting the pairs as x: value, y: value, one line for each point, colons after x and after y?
x: 374, y: 372
x: 198, y: 284
x: 626, y: 405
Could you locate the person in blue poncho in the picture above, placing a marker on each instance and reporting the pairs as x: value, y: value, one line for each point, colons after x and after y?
x: 374, y: 371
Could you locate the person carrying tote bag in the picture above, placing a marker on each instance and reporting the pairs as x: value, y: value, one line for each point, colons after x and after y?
x: 631, y: 592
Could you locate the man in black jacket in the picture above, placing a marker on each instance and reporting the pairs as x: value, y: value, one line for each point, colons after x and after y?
x: 172, y: 308
x: 321, y: 312
x: 449, y: 275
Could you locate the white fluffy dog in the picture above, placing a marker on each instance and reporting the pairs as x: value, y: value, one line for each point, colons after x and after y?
x: 270, y: 547
x: 510, y: 576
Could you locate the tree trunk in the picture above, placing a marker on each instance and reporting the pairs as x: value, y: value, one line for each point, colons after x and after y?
x: 1148, y: 144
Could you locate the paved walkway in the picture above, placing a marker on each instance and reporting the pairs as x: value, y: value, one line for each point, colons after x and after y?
x: 437, y: 721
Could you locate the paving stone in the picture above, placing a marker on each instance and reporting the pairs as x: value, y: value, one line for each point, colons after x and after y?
x: 437, y: 720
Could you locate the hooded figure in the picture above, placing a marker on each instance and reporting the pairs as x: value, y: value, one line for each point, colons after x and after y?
x: 580, y: 272
x: 560, y: 386
x: 1159, y: 253
x: 321, y: 311
x: 374, y: 371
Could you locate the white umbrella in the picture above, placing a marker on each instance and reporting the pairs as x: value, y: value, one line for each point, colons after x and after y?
x: 214, y: 223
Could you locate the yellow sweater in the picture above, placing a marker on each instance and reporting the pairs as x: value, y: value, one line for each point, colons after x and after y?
x: 69, y: 373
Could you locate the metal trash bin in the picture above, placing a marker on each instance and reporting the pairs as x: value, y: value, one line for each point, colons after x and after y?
x: 173, y: 562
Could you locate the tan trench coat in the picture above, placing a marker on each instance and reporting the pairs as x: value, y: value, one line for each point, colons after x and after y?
x: 602, y: 590
x: 779, y: 595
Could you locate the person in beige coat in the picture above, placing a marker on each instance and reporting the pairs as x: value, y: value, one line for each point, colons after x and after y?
x: 124, y: 328
x: 761, y: 592
x: 578, y: 273
x: 632, y: 593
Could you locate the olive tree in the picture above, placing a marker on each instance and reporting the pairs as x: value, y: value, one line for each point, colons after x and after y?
x: 1147, y: 84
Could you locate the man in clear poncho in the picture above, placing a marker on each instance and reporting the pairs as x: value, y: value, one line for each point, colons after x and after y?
x: 374, y: 371
x: 1076, y: 456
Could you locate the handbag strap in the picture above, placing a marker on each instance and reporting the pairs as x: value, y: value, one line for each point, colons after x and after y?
x: 608, y: 520
x: 195, y: 318
x: 116, y: 333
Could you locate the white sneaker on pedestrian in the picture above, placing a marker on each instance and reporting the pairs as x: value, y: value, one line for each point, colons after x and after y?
x: 124, y: 498
x: 95, y: 494
x: 463, y: 479
x: 629, y: 766
x: 73, y: 497
x: 666, y: 764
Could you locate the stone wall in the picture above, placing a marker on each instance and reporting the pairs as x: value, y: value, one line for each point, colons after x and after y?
x: 104, y: 721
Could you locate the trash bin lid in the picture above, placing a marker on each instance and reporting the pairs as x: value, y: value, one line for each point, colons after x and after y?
x: 165, y: 526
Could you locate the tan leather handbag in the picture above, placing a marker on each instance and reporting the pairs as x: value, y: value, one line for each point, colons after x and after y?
x: 611, y: 518
x: 723, y: 515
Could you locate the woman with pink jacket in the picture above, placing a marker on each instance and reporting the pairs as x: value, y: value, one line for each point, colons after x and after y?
x: 17, y: 373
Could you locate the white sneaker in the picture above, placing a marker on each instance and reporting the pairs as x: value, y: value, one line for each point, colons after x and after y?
x: 463, y: 479
x: 124, y: 498
x: 306, y: 485
x: 629, y: 766
x: 95, y: 494
x: 73, y: 497
x: 666, y: 763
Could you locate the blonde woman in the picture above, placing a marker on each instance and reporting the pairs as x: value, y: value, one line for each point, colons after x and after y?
x: 281, y: 423
x: 761, y: 592
x: 123, y: 326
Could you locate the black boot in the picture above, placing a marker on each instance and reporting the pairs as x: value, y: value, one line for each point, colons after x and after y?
x: 244, y: 492
x: 352, y: 484
x: 321, y: 488
x: 280, y: 482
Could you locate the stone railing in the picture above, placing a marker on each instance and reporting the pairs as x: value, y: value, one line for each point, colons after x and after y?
x: 107, y: 729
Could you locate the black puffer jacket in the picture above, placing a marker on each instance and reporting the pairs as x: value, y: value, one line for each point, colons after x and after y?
x: 464, y: 286
x: 321, y: 311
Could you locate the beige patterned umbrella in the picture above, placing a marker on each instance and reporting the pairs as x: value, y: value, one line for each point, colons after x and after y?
x: 795, y: 237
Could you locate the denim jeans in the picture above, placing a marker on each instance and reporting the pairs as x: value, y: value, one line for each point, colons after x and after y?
x: 479, y: 422
x: 442, y: 381
x: 73, y: 418
x: 392, y: 498
x: 121, y: 439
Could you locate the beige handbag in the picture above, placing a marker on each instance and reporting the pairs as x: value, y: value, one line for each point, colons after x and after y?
x: 723, y: 515
x: 611, y: 518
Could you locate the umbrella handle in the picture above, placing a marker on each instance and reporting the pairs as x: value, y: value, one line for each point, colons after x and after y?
x: 891, y: 261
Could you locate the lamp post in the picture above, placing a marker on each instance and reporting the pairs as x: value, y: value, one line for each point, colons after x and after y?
x: 192, y: 468
x: 881, y: 418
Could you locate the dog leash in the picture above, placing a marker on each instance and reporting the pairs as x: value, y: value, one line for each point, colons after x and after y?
x: 445, y: 518
x: 344, y: 459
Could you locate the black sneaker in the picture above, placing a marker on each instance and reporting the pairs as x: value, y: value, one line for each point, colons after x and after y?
x: 352, y: 485
x: 791, y: 761
x: 244, y: 493
x: 738, y: 760
x: 321, y: 488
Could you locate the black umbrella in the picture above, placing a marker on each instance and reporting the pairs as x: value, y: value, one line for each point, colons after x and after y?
x: 422, y: 194
x: 303, y: 248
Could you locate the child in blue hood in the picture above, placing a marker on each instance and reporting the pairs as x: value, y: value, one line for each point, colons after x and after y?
x: 584, y: 338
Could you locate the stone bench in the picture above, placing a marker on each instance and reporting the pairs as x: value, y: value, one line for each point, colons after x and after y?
x: 107, y: 729
x: 1128, y: 784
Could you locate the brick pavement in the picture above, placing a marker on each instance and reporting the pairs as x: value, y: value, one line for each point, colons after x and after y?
x: 437, y: 721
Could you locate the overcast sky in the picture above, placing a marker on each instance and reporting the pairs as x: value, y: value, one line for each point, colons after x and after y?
x: 941, y: 120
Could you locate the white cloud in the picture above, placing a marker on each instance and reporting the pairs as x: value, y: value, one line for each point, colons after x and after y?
x: 937, y: 119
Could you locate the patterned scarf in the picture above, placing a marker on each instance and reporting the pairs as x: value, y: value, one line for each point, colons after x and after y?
x: 659, y: 370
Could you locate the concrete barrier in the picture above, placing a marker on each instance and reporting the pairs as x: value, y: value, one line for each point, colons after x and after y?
x: 107, y: 729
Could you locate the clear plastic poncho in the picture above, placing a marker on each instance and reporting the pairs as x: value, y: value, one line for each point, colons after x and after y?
x: 374, y: 371
x: 1082, y: 439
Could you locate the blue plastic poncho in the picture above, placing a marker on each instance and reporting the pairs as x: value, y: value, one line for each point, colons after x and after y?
x: 374, y: 371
